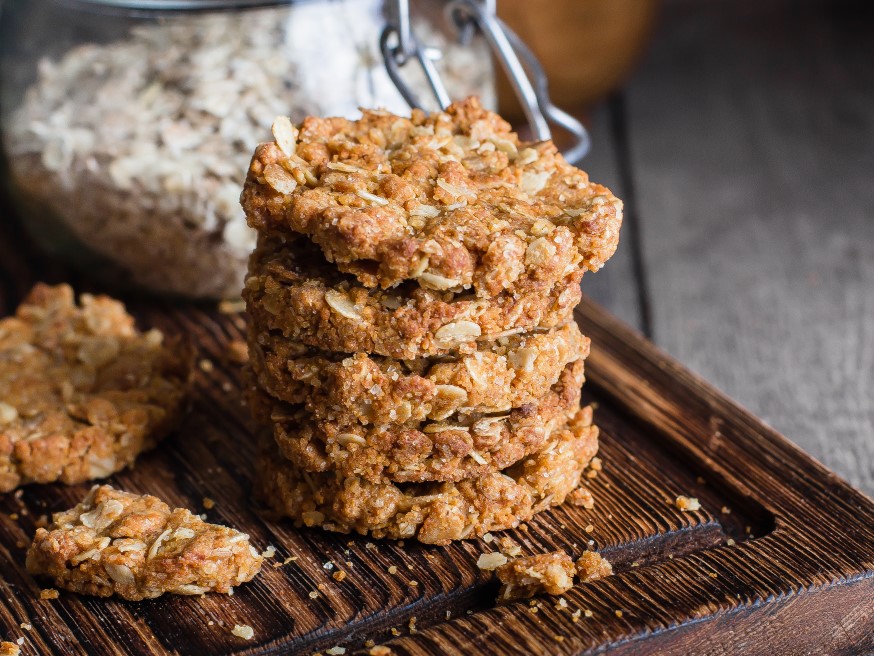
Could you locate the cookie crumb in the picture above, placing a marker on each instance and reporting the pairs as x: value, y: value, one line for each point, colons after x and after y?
x: 269, y: 552
x: 592, y: 566
x: 380, y: 650
x: 392, y: 569
x: 339, y: 575
x: 582, y: 497
x: 509, y: 548
x: 49, y: 593
x: 243, y: 631
x: 491, y: 561
x: 206, y: 365
x: 238, y: 352
x: 208, y: 503
x: 9, y: 649
x: 687, y: 504
x: 550, y: 573
x: 336, y: 651
x: 27, y: 626
x: 618, y: 613
x: 232, y: 306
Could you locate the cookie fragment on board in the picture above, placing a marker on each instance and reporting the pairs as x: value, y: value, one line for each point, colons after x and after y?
x: 451, y: 200
x: 82, y: 391
x: 592, y: 566
x: 550, y: 573
x: 433, y: 513
x: 136, y: 547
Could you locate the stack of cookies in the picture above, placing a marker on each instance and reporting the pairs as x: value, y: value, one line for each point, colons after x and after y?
x: 414, y: 357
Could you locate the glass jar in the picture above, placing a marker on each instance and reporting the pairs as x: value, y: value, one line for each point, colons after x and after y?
x: 128, y: 126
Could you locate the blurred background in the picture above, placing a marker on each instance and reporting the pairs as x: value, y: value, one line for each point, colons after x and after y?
x: 740, y: 135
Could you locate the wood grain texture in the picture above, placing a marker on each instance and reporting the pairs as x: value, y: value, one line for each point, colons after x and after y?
x: 752, y: 150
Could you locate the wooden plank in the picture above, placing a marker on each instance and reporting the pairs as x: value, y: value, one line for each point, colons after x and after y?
x: 752, y: 144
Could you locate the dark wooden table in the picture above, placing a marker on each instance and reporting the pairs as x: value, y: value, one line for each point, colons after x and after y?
x: 744, y: 148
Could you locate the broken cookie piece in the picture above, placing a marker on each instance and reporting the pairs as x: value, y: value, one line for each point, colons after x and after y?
x: 592, y: 566
x: 135, y: 546
x: 551, y: 573
x: 82, y: 391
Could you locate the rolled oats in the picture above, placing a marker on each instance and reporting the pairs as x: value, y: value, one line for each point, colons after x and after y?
x: 139, y: 146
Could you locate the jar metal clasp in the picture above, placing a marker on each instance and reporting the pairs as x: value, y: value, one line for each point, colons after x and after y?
x: 399, y: 45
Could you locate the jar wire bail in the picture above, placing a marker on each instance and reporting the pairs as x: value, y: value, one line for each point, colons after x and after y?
x: 399, y: 45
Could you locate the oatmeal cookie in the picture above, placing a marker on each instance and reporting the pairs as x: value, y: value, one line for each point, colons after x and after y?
x: 292, y: 289
x: 433, y: 513
x: 134, y: 546
x: 522, y: 578
x: 461, y: 446
x: 82, y: 392
x: 452, y: 200
x: 507, y: 373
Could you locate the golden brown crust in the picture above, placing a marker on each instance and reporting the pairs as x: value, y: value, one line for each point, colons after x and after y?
x: 550, y: 573
x: 460, y: 446
x: 451, y: 199
x: 592, y: 566
x: 294, y: 291
x: 82, y: 392
x: 361, y: 388
x: 134, y: 546
x: 433, y: 513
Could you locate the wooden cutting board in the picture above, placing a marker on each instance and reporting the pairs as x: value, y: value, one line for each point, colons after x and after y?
x: 779, y: 560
